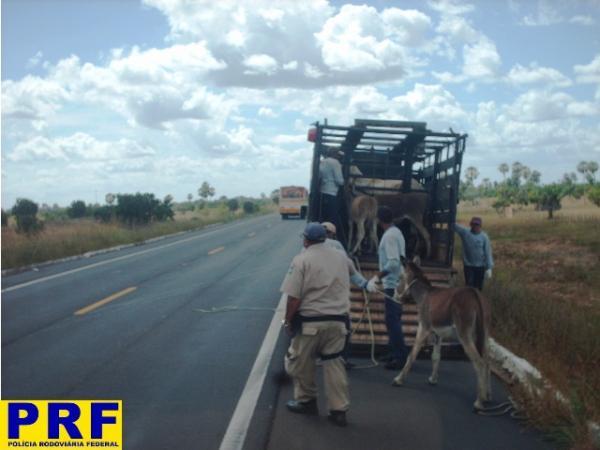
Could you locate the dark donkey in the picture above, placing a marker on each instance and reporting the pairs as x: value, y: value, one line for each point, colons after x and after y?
x: 440, y: 310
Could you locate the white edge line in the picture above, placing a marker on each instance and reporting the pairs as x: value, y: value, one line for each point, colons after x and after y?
x: 102, y: 263
x: 240, y: 421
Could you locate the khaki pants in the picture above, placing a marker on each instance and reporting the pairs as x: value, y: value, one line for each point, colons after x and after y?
x: 316, y: 339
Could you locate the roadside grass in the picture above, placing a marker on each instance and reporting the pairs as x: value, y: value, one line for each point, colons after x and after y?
x: 76, y: 237
x: 546, y: 308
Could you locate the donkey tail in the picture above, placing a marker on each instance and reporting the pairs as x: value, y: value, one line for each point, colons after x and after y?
x: 480, y: 329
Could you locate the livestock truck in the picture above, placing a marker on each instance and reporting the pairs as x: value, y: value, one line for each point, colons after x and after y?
x: 416, y: 172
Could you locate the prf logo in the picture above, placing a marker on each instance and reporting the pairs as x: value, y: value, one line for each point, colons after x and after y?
x: 61, y: 423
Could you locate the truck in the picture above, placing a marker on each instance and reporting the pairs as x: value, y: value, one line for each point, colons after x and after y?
x: 388, y: 160
x: 293, y: 201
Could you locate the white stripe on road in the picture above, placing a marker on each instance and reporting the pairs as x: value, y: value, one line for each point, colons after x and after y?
x: 120, y: 258
x: 240, y: 421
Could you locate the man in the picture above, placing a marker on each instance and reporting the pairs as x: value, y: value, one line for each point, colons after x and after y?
x: 331, y: 239
x: 391, y: 251
x: 330, y: 174
x: 477, y: 253
x: 355, y: 277
x: 317, y: 286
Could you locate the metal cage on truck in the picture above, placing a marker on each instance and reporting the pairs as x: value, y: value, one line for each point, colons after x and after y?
x: 405, y: 151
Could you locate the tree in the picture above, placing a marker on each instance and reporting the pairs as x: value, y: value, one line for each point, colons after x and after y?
x: 110, y: 198
x: 594, y: 194
x: 104, y: 213
x: 233, y: 204
x: 548, y: 198
x: 4, y: 218
x: 190, y: 197
x: 503, y: 168
x: 588, y: 170
x: 77, y: 209
x: 206, y: 190
x: 141, y: 209
x: 25, y: 212
x: 275, y: 196
x: 535, y: 177
x: 249, y: 207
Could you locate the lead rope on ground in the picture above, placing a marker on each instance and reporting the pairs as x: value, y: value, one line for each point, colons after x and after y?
x: 366, y: 311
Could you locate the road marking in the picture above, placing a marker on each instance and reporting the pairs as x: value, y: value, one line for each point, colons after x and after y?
x: 104, y: 301
x: 120, y: 258
x: 216, y: 250
x: 240, y: 421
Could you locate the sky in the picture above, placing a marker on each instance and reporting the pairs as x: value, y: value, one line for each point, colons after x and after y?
x: 125, y: 96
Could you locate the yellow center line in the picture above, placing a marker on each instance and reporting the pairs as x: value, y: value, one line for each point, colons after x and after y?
x: 104, y: 301
x: 216, y: 250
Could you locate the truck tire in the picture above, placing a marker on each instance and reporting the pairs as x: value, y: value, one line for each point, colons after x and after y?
x: 303, y: 213
x: 284, y: 217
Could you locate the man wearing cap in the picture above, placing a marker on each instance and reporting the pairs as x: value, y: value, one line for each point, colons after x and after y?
x: 391, y: 252
x: 477, y: 253
x: 330, y: 174
x: 317, y: 286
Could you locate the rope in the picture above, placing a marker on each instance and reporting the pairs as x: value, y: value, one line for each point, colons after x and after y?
x: 366, y: 310
x: 503, y: 408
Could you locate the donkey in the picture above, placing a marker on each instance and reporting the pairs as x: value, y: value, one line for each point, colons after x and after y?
x: 363, y: 213
x: 440, y: 310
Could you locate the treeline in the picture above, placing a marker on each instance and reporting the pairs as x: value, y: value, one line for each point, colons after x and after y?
x: 522, y: 186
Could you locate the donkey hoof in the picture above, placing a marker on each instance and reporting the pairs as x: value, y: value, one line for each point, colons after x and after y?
x: 432, y: 381
x: 397, y: 382
x: 478, y: 406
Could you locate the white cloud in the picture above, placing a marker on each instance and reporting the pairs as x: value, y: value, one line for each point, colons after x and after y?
x: 260, y: 64
x: 582, y: 20
x: 283, y: 139
x: 451, y: 7
x: 34, y: 60
x: 546, y: 14
x: 588, y: 73
x: 266, y: 112
x: 481, y: 60
x: 78, y: 146
x: 32, y: 98
x: 537, y: 106
x: 534, y: 74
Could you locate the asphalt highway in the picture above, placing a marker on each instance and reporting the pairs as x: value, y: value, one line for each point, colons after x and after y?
x: 172, y: 328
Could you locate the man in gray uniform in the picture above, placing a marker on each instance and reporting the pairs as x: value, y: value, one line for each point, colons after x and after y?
x: 317, y: 287
x: 477, y: 253
x: 330, y: 174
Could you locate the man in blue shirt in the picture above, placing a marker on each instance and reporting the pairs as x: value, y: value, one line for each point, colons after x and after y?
x: 392, y: 249
x: 477, y: 253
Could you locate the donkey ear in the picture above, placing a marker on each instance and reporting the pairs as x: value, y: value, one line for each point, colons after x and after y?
x: 417, y: 260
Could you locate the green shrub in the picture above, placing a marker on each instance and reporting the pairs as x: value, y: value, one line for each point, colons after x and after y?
x: 77, y: 209
x: 25, y: 211
x: 249, y: 207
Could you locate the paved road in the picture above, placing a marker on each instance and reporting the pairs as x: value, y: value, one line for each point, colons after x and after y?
x: 139, y: 325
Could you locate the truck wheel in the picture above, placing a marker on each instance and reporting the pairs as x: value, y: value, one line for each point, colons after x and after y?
x: 284, y: 217
x: 303, y: 213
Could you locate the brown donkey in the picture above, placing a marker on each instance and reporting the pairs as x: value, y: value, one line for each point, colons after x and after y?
x: 440, y: 310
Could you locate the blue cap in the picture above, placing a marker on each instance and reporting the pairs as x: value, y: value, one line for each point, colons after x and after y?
x: 314, y: 231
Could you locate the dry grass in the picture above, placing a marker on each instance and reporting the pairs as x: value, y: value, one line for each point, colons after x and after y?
x: 545, y: 295
x: 60, y: 240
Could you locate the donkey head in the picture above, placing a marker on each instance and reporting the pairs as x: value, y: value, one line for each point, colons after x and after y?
x: 412, y: 274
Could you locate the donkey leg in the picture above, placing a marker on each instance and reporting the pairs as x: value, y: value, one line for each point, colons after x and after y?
x: 479, y: 365
x: 419, y: 341
x: 374, y: 239
x: 350, y: 232
x: 436, y: 355
x: 360, y: 234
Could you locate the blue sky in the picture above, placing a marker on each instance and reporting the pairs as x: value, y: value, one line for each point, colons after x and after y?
x: 160, y: 95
